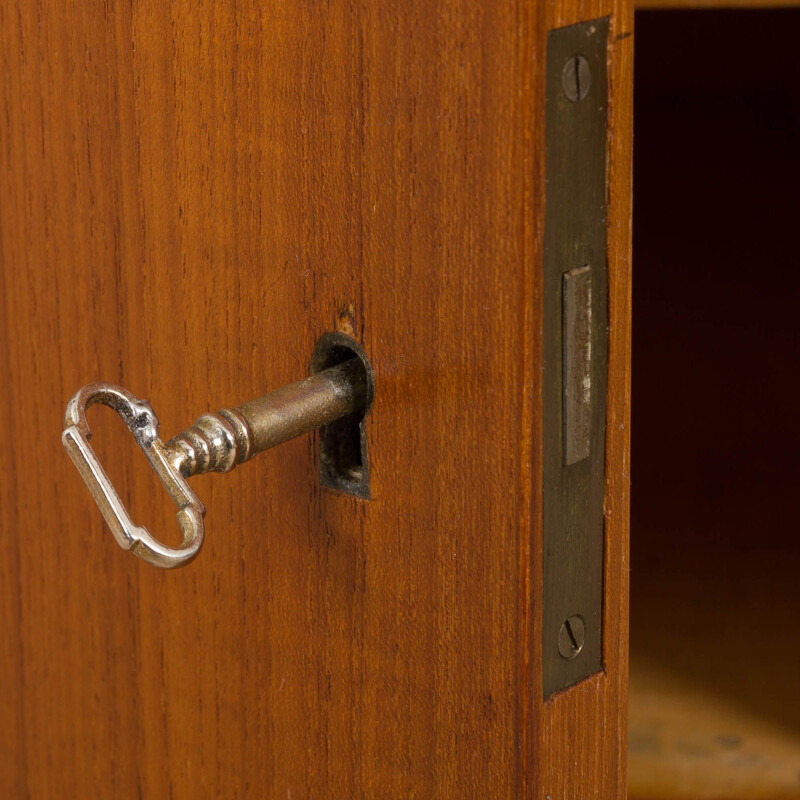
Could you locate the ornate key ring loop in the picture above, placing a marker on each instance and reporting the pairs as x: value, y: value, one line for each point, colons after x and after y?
x: 143, y: 424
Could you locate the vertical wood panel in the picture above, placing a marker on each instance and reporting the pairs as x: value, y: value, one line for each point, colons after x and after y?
x: 580, y: 744
x: 191, y: 194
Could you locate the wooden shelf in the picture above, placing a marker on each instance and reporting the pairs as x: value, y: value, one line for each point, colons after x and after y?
x: 714, y: 704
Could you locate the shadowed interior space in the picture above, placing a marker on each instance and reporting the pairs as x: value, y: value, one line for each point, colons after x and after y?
x: 715, y: 592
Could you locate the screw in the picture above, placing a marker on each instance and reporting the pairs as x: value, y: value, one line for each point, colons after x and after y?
x: 576, y: 78
x: 571, y: 637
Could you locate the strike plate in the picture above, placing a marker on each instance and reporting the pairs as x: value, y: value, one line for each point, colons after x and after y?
x: 575, y: 353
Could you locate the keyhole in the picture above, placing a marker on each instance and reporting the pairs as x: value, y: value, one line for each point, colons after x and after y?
x: 343, y: 444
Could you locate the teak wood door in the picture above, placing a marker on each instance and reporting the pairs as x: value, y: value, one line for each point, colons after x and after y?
x: 191, y: 194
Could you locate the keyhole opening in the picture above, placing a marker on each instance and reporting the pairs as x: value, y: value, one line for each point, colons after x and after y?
x: 343, y: 444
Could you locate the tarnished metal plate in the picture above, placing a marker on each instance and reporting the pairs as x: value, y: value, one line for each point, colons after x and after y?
x: 575, y: 353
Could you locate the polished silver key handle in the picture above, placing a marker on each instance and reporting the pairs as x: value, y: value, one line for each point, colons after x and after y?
x: 216, y: 442
x: 143, y: 424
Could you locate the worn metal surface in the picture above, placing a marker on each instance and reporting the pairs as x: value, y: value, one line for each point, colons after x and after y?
x: 343, y: 461
x: 576, y: 78
x: 571, y: 637
x: 576, y: 344
x: 216, y: 442
x: 575, y: 350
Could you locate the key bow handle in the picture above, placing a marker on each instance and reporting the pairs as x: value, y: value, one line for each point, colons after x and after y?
x: 143, y: 424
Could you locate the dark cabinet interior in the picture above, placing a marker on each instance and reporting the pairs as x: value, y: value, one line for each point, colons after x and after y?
x: 715, y: 592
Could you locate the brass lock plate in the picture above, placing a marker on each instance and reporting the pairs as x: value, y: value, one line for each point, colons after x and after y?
x: 575, y: 353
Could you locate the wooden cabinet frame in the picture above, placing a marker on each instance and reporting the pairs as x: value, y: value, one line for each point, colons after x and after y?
x: 192, y: 194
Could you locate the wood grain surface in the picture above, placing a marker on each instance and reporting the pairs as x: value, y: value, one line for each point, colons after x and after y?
x: 579, y: 746
x: 190, y: 195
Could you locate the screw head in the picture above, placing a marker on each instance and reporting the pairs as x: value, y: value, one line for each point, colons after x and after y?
x: 576, y: 78
x: 571, y: 637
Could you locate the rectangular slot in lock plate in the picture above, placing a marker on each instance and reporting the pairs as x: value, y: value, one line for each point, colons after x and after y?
x: 575, y: 354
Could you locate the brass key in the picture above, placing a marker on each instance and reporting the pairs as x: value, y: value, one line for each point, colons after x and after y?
x: 216, y: 442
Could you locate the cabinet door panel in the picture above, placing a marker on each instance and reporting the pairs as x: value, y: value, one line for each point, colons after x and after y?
x: 191, y: 195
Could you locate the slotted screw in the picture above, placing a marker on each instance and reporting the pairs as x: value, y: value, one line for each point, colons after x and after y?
x: 571, y: 637
x: 576, y: 78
